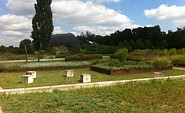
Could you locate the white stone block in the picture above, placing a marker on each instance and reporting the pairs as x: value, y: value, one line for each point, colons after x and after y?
x: 27, y: 79
x: 70, y: 73
x: 1, y: 110
x: 85, y: 78
x: 33, y: 73
x: 105, y: 57
x: 158, y: 74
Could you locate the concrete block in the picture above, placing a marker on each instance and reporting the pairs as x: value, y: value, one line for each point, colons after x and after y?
x: 33, y: 73
x: 158, y: 74
x: 70, y: 73
x: 85, y: 78
x: 27, y: 79
x: 1, y: 110
x: 105, y: 57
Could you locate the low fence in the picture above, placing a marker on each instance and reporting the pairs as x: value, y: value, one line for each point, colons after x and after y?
x: 32, y: 60
x: 77, y: 86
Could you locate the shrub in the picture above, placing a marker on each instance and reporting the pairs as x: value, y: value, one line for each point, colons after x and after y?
x: 178, y: 59
x: 172, y: 51
x: 121, y: 54
x: 161, y: 62
x: 141, y: 55
x: 101, y: 49
x: 78, y: 57
x: 181, y: 51
x: 164, y: 52
x: 9, y: 66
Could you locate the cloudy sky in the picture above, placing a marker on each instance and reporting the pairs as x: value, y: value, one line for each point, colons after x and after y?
x: 97, y: 16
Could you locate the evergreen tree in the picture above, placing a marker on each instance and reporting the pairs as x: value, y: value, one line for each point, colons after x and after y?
x: 42, y: 24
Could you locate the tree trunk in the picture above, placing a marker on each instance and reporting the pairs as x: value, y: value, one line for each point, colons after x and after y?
x: 39, y: 52
x: 25, y: 48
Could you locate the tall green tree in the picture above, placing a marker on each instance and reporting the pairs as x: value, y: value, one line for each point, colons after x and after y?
x: 42, y: 24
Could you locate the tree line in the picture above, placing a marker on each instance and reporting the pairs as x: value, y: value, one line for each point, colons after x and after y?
x: 140, y: 38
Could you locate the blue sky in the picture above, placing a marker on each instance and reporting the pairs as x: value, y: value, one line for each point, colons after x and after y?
x: 134, y: 9
x: 100, y: 17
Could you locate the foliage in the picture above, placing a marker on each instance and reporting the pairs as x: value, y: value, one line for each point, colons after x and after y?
x: 125, y: 67
x: 122, y: 54
x: 148, y: 97
x: 181, y: 51
x: 25, y: 43
x: 111, y: 64
x: 42, y: 24
x: 54, y: 64
x: 161, y: 62
x: 34, y: 65
x: 178, y: 60
x: 172, y: 51
x: 83, y: 51
x: 59, y: 51
x: 8, y: 50
x: 9, y: 66
x: 101, y: 49
x: 80, y: 57
x: 139, y: 55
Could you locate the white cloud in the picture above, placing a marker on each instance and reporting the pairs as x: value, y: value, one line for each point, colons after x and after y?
x: 102, y: 1
x: 78, y: 15
x: 21, y: 7
x: 87, y: 16
x: 13, y: 29
x: 175, y: 14
x: 58, y: 30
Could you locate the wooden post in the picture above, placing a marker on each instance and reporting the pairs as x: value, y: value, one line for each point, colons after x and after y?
x: 39, y: 52
x: 25, y: 48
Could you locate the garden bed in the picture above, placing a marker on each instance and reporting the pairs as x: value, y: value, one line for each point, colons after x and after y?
x: 42, y: 69
x: 118, y: 72
x: 21, y: 67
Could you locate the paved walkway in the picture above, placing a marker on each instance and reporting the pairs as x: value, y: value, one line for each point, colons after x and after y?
x: 82, y: 85
x: 179, y: 68
x: 55, y: 59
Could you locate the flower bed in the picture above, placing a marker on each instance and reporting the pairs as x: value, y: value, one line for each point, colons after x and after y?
x: 127, y: 71
x: 21, y: 67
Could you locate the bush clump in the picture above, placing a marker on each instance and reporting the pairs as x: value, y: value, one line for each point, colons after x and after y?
x: 83, y: 57
x: 122, y: 54
x: 161, y: 62
x: 178, y: 60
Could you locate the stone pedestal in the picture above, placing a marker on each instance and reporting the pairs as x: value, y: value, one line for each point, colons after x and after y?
x: 85, y: 78
x: 27, y: 79
x: 33, y: 73
x: 70, y: 73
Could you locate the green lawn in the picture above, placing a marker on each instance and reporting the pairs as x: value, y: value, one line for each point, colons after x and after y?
x: 149, y: 97
x: 47, y: 78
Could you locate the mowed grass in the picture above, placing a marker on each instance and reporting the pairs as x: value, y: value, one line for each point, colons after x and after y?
x: 58, y: 77
x: 149, y: 97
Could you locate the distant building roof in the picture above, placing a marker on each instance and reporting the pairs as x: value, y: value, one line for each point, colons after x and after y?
x: 67, y: 39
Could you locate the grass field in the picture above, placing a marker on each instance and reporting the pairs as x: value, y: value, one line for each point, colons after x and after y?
x: 47, y: 78
x: 149, y: 97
